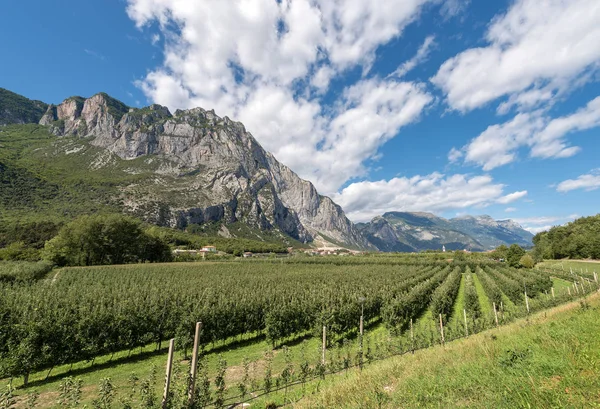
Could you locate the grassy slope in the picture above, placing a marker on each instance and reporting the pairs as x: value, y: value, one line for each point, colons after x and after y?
x: 540, y: 362
x: 576, y: 265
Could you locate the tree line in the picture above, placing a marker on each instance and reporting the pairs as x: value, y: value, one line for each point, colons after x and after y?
x: 578, y: 239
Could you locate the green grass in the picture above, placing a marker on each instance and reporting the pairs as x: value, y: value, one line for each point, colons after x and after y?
x: 549, y: 360
x: 577, y: 266
x: 484, y: 301
x: 560, y: 285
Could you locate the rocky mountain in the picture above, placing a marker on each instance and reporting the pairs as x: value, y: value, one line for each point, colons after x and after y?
x: 187, y: 167
x: 416, y: 231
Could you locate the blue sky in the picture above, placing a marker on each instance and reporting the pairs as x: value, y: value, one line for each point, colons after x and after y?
x: 449, y: 106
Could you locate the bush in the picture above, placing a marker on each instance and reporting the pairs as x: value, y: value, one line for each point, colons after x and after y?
x: 527, y: 261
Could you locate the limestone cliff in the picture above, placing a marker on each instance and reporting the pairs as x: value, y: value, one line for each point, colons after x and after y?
x: 210, y: 169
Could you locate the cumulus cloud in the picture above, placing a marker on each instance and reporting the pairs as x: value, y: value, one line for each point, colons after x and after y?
x: 534, y: 51
x: 590, y: 181
x: 267, y: 63
x: 545, y: 137
x: 538, y: 224
x: 419, y: 58
x: 434, y: 192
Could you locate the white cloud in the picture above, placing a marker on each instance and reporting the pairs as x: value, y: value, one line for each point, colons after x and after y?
x: 452, y: 8
x: 435, y: 193
x: 267, y: 63
x: 454, y: 155
x: 512, y: 197
x: 534, y: 51
x: 588, y: 182
x: 542, y: 223
x: 544, y: 136
x: 510, y: 209
x: 419, y: 58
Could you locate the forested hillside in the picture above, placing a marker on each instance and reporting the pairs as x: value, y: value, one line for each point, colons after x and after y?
x: 578, y: 239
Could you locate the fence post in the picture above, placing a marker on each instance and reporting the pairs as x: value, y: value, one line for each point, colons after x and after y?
x: 495, y: 313
x: 168, y: 374
x: 412, y: 337
x: 194, y: 365
x: 324, y: 344
x: 576, y: 287
x: 466, y: 326
x: 502, y: 310
x: 582, y: 285
x: 569, y: 290
x: 527, y: 302
x: 552, y: 289
x: 442, y: 330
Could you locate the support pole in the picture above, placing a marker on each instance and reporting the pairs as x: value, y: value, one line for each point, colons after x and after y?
x: 194, y: 367
x: 569, y: 290
x: 442, y: 330
x: 466, y: 326
x: 527, y: 302
x: 324, y: 344
x: 495, y: 313
x: 552, y: 289
x: 412, y: 337
x: 168, y: 373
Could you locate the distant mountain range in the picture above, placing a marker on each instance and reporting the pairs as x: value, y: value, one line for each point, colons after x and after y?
x: 191, y: 167
x: 416, y: 231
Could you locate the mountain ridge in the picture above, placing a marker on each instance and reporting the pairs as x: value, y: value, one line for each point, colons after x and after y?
x: 417, y: 231
x: 194, y: 167
x: 210, y: 169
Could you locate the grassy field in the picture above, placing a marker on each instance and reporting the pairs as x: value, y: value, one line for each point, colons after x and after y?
x: 550, y: 360
x: 576, y: 265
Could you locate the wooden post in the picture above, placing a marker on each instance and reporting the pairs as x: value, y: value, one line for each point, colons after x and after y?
x: 194, y: 365
x: 576, y: 287
x: 361, y: 325
x: 495, y: 313
x: 582, y: 285
x: 527, y: 302
x: 412, y: 337
x: 442, y: 330
x: 324, y: 344
x: 552, y: 289
x: 569, y: 290
x: 589, y: 284
x: 168, y: 374
x: 466, y: 326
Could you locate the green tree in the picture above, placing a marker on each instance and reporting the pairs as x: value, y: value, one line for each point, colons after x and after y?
x: 527, y: 261
x: 514, y: 254
x: 105, y: 239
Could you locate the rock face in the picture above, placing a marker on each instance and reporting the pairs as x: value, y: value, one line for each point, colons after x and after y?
x: 415, y: 231
x: 209, y: 169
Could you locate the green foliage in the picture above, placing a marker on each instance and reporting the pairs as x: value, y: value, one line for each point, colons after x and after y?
x: 70, y: 392
x: 444, y: 296
x: 472, y: 305
x: 15, y: 108
x: 22, y: 271
x: 18, y: 251
x: 527, y: 261
x: 513, y: 255
x: 105, y: 239
x: 577, y: 239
